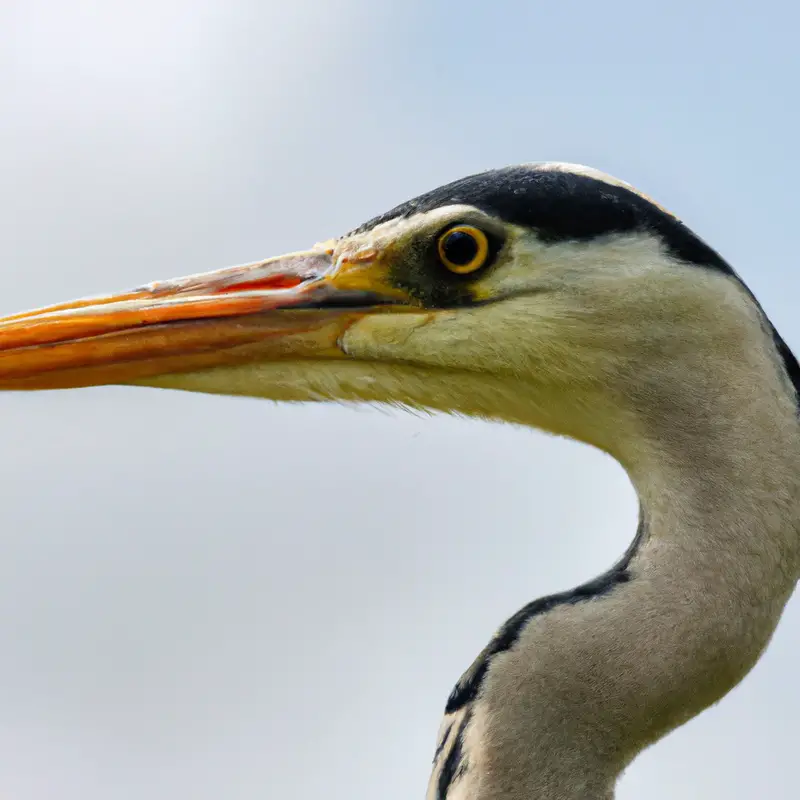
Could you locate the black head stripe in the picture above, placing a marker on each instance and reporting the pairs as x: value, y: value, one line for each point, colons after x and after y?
x: 560, y: 206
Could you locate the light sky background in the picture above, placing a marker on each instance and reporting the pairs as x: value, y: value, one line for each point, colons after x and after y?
x: 205, y: 597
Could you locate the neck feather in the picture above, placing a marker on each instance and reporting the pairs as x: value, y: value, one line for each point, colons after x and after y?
x: 575, y: 685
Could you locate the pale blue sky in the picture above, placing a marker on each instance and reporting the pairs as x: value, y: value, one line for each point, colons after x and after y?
x: 211, y: 597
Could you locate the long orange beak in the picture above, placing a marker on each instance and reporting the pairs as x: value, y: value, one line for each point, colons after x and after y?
x: 291, y: 307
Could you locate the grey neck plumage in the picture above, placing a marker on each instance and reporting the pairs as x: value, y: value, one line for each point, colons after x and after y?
x: 574, y: 686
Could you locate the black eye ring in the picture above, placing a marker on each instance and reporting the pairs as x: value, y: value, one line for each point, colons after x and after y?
x: 463, y: 249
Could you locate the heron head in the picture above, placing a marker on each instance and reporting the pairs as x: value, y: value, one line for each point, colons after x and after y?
x: 547, y: 294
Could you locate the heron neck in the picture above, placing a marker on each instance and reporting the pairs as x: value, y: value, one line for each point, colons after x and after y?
x: 596, y: 676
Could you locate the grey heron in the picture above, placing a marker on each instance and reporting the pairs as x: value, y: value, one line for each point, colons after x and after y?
x: 548, y: 295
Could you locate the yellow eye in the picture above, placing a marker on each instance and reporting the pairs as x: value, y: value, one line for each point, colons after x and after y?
x: 463, y: 249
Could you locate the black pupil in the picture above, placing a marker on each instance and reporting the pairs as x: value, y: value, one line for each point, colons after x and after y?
x: 460, y: 248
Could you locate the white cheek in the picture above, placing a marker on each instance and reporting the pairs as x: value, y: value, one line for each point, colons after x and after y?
x: 383, y: 336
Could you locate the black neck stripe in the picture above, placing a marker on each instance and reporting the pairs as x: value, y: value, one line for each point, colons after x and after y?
x: 466, y: 690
